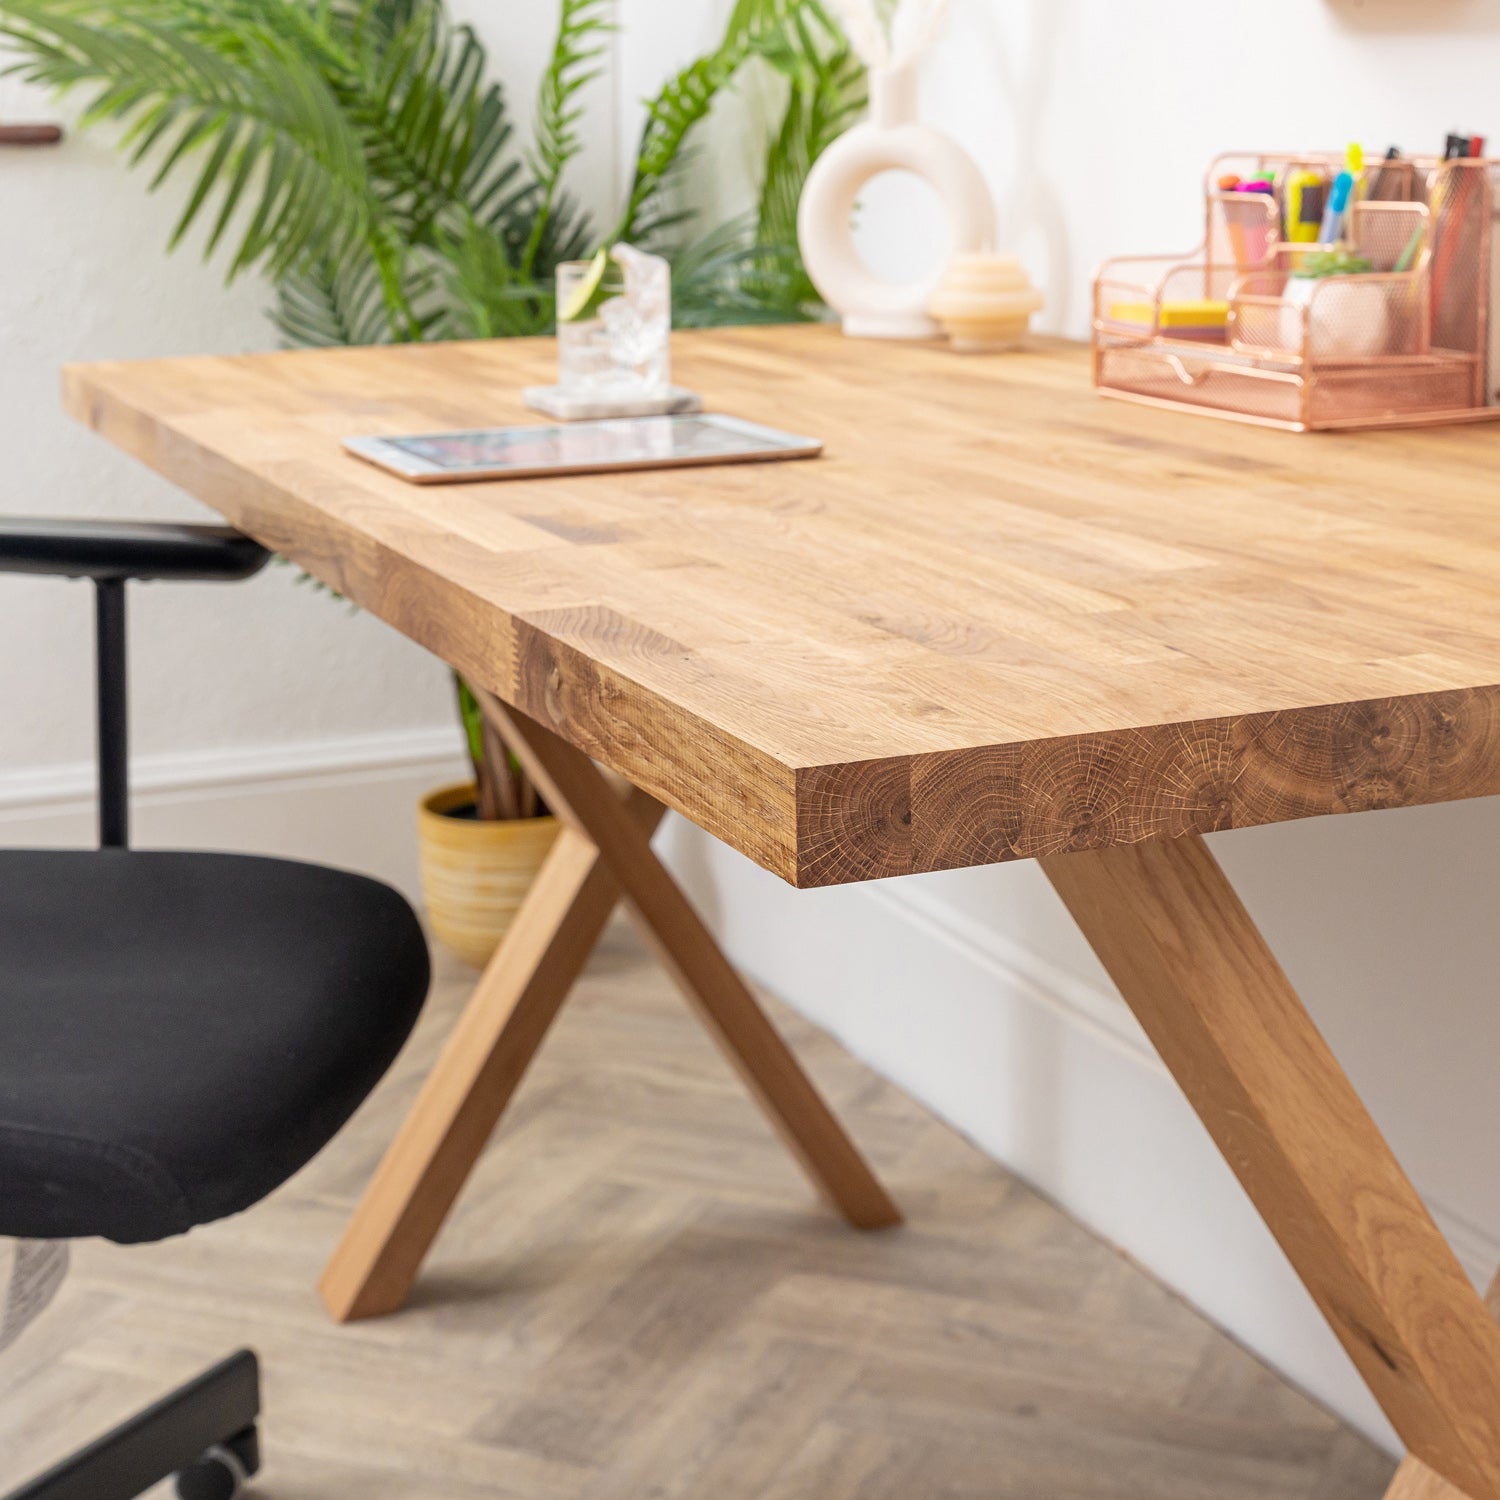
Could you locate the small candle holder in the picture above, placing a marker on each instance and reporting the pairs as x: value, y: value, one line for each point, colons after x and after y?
x: 984, y: 303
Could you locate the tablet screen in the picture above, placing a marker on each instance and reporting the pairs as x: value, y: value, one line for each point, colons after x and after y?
x: 623, y: 440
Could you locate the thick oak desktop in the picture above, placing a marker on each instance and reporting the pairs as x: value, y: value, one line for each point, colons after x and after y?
x: 1000, y: 619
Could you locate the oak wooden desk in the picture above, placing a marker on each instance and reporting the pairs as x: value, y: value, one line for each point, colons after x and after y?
x: 1001, y: 619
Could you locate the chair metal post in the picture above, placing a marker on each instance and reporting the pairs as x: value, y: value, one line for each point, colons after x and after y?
x: 109, y: 670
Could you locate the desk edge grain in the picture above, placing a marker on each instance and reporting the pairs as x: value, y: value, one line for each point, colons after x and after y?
x: 870, y: 819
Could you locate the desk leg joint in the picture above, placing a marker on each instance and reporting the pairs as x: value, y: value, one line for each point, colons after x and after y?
x: 603, y: 853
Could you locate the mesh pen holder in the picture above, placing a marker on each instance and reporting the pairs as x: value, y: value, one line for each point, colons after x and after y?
x: 1234, y: 331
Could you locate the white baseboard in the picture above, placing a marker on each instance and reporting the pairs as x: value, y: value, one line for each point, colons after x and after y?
x: 1048, y: 1075
x: 347, y: 801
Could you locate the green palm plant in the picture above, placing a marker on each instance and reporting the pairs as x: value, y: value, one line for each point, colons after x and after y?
x: 357, y: 154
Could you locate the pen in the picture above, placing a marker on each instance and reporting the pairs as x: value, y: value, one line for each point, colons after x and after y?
x: 1338, y: 203
x: 1383, y: 177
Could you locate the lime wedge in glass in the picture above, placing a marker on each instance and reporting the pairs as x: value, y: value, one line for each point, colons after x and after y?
x: 585, y: 298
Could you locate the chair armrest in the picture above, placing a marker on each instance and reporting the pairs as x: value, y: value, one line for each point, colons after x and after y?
x: 128, y: 549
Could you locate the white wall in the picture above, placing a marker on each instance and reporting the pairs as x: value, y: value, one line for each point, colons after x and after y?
x: 1093, y: 122
x: 266, y: 685
x: 269, y: 718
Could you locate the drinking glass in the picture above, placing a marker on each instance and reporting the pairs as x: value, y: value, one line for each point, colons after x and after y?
x: 621, y: 349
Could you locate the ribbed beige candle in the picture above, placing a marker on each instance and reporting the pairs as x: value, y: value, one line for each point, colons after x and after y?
x: 984, y: 302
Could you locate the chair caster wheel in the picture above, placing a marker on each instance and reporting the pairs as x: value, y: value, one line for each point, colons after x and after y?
x: 223, y: 1471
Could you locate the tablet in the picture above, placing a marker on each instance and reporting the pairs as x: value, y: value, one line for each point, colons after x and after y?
x: 580, y: 448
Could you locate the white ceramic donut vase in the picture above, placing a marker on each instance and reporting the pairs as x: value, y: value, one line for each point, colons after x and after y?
x: 892, y: 139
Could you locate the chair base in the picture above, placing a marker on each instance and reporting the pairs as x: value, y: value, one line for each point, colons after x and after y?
x: 204, y: 1433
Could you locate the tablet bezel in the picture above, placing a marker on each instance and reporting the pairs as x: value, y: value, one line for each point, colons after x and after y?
x: 383, y: 452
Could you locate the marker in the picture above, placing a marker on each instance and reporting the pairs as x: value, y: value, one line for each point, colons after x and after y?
x: 1306, y: 198
x: 1385, y: 174
x: 1338, y: 203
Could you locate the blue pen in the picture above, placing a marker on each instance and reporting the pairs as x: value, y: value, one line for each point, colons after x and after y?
x: 1338, y: 203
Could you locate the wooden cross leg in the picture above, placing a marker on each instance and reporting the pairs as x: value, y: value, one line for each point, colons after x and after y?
x: 603, y: 852
x: 1227, y: 1023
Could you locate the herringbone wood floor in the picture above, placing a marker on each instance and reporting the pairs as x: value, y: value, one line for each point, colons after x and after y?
x: 637, y: 1300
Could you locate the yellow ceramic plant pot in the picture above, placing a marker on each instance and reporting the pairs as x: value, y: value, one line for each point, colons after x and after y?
x: 475, y: 875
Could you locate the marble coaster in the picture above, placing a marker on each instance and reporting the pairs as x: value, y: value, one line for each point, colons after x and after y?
x: 554, y: 401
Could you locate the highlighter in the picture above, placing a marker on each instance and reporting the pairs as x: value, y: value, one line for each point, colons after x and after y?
x: 1354, y: 164
x: 1338, y: 204
x: 1306, y: 199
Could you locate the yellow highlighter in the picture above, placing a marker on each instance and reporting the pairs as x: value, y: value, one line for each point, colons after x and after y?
x: 1306, y: 198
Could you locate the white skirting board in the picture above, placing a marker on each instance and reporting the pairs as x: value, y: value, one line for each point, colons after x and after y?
x: 1047, y: 1074
x: 1043, y: 1069
x: 348, y: 801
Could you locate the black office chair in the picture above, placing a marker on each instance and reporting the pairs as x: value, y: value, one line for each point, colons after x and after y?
x: 179, y: 1032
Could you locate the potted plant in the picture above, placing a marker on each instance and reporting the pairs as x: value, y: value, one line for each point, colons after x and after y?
x: 481, y: 842
x: 357, y: 153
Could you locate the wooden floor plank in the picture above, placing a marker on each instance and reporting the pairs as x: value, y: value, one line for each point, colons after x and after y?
x: 1191, y: 964
x: 513, y: 1007
x: 728, y: 1339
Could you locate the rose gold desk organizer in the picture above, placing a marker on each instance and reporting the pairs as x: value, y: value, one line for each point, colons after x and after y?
x: 1380, y: 349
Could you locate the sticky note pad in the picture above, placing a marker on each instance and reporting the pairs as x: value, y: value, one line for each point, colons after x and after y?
x: 1200, y: 318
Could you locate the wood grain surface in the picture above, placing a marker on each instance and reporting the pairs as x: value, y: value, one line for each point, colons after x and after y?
x: 999, y: 619
x: 604, y: 852
x: 575, y: 790
x: 1414, y: 1480
x: 635, y: 1300
x: 1209, y: 993
x: 474, y: 1078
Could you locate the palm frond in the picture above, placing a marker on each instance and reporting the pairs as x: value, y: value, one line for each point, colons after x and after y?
x: 483, y: 293
x: 434, y: 129
x: 581, y: 27
x: 254, y: 119
x: 357, y: 152
x: 729, y: 276
x: 328, y: 305
x: 686, y: 99
x: 364, y: 161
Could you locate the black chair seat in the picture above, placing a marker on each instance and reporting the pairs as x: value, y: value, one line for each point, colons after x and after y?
x: 128, y: 549
x: 179, y: 1033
